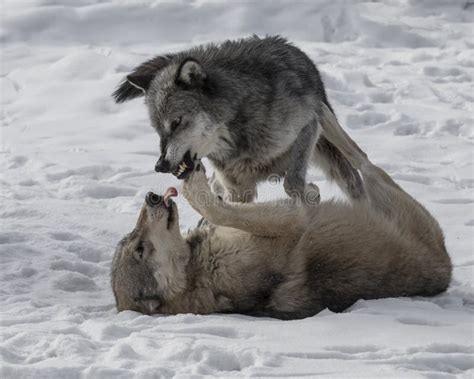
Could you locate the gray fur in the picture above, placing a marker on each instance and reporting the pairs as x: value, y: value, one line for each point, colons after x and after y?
x: 252, y: 106
x: 282, y: 259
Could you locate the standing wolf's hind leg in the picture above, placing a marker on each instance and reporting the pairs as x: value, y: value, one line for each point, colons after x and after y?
x: 295, y: 179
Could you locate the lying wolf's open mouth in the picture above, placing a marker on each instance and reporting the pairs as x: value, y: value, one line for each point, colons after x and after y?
x: 153, y: 200
x: 185, y: 167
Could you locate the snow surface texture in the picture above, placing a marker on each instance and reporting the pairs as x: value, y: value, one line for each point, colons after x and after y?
x: 75, y: 168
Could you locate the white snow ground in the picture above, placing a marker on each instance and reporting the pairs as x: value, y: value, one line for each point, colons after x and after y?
x: 75, y: 168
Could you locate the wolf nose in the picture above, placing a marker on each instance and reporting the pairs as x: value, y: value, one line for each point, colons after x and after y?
x: 152, y: 199
x: 162, y: 166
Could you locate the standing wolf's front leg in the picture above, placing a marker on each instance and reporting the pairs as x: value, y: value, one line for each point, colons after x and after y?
x: 263, y: 219
x: 295, y: 178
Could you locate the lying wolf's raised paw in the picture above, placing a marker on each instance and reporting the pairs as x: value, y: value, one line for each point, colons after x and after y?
x: 199, y: 166
x: 196, y: 187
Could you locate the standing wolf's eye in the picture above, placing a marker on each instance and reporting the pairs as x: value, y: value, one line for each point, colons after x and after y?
x: 175, y: 123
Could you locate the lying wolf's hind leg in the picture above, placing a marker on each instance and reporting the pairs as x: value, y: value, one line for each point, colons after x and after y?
x: 295, y: 179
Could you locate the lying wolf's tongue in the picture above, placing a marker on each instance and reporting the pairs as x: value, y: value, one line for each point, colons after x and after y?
x: 170, y: 192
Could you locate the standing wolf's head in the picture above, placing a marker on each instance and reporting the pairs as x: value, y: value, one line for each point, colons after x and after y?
x: 184, y: 109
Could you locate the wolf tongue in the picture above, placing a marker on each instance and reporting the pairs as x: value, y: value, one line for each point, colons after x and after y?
x: 170, y: 192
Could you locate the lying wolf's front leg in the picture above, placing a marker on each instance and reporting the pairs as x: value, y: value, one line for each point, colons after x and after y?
x: 295, y: 179
x: 241, y: 193
x: 263, y: 219
x: 243, y: 190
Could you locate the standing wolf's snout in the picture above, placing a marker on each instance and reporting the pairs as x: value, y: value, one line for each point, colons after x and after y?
x: 162, y: 166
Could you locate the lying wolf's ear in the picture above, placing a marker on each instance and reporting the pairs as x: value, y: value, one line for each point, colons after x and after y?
x: 190, y: 74
x: 137, y: 83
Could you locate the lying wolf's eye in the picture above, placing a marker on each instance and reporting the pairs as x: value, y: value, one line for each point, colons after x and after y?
x: 175, y: 123
x: 140, y: 250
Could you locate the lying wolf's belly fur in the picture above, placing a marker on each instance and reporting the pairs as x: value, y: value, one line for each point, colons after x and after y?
x: 296, y: 276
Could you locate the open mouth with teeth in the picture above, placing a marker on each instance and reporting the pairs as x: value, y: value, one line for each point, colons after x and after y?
x: 185, y: 167
x: 153, y: 200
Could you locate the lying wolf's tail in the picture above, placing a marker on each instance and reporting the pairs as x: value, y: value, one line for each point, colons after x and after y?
x: 335, y: 162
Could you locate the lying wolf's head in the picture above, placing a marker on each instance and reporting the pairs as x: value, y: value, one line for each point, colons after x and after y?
x: 148, y: 267
x: 183, y: 108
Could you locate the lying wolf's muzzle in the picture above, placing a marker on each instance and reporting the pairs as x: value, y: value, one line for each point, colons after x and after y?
x: 152, y: 199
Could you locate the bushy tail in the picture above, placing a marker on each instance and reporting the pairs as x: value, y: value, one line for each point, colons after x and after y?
x: 384, y: 195
x: 337, y: 136
x: 335, y: 162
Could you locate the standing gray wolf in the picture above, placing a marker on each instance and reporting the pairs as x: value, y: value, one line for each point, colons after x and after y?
x: 252, y: 107
x: 278, y: 259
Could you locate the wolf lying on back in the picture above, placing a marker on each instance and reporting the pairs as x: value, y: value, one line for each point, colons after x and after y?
x: 281, y: 260
x: 252, y: 106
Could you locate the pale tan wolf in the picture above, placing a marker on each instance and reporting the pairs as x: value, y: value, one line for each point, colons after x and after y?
x: 282, y: 259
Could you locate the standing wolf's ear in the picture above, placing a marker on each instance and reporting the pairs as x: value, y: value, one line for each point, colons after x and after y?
x: 137, y: 83
x: 190, y: 74
x: 141, y: 82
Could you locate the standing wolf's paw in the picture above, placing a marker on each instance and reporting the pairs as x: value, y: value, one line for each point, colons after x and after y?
x: 294, y: 186
x: 311, y: 194
x: 307, y: 193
